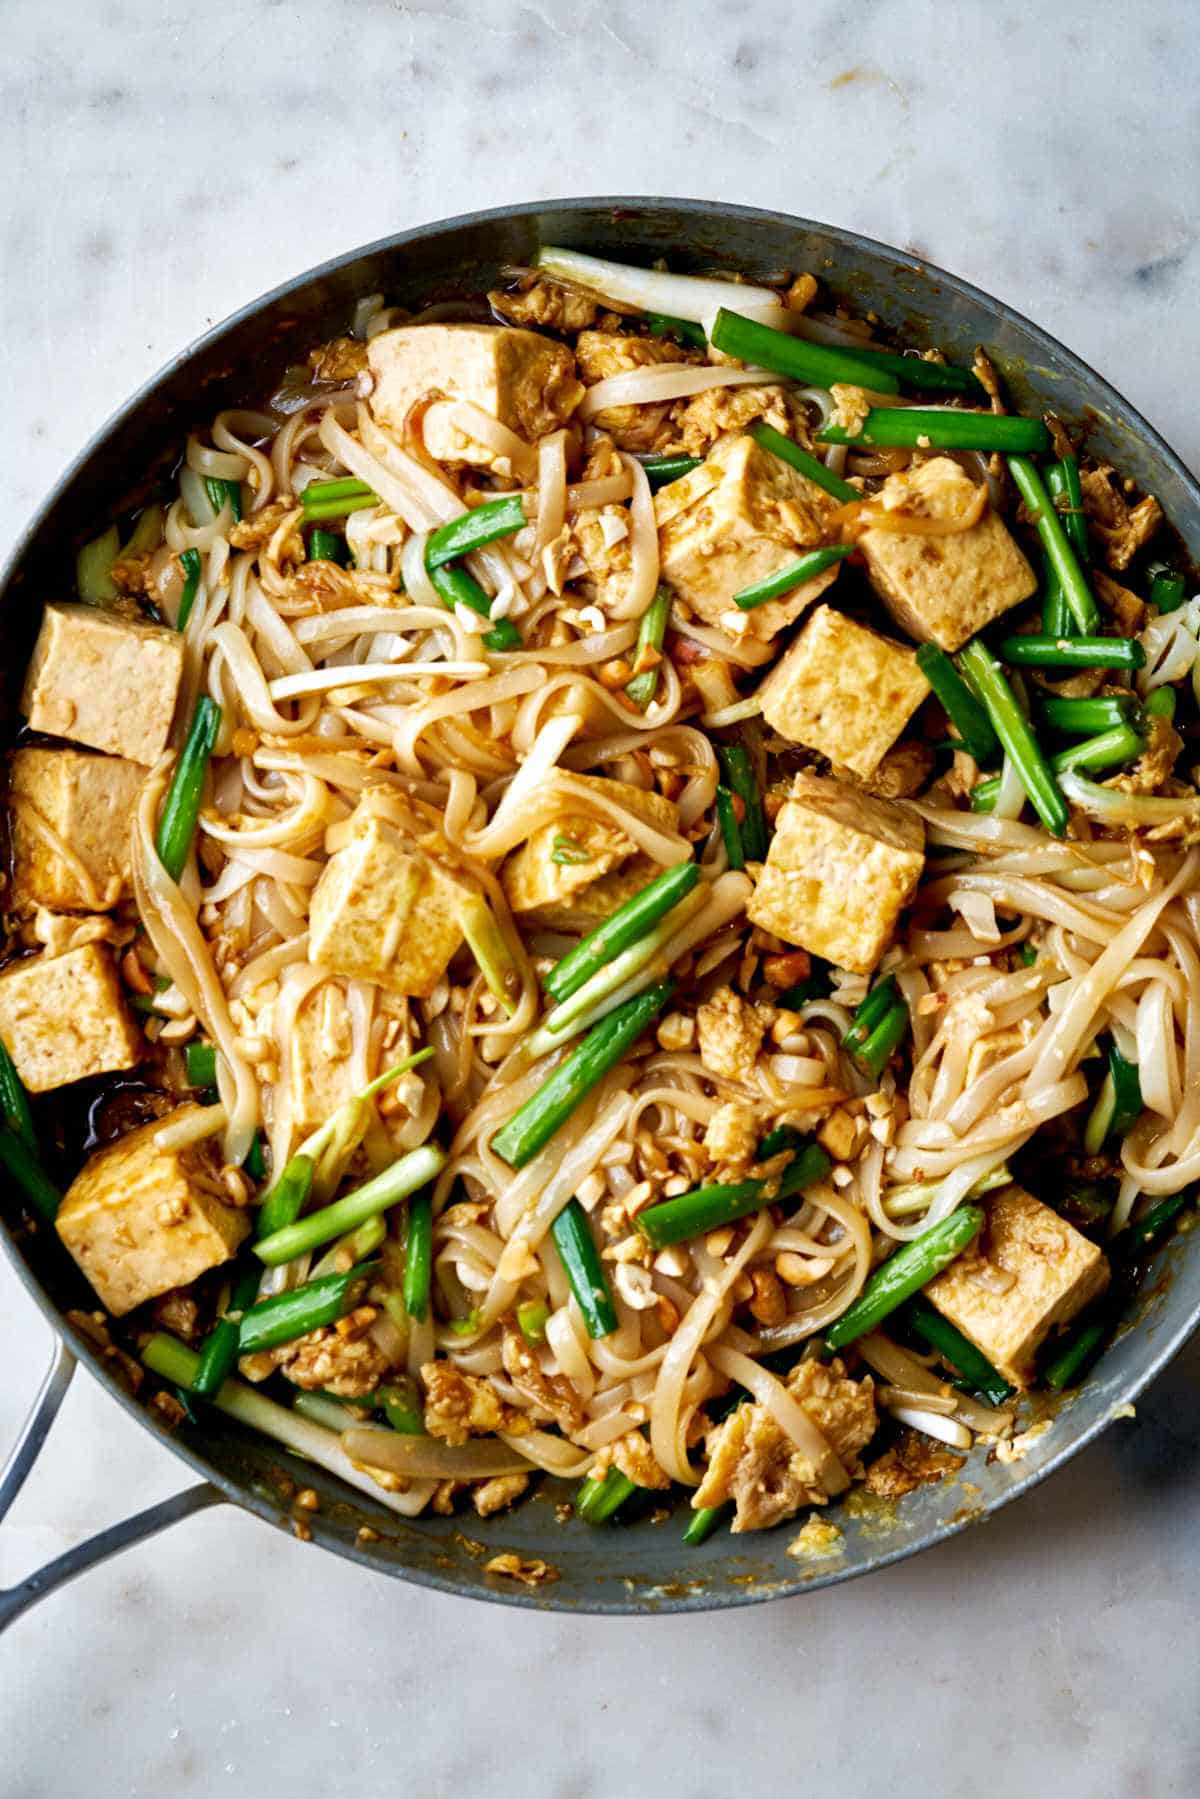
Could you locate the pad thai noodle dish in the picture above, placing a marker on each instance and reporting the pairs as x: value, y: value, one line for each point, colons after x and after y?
x: 607, y: 884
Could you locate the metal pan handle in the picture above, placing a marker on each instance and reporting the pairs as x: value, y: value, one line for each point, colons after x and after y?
x: 18, y: 1599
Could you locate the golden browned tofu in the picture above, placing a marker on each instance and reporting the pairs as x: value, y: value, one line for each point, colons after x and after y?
x: 843, y: 690
x: 742, y: 516
x: 140, y: 1220
x: 573, y: 872
x: 63, y: 1018
x: 70, y: 818
x: 944, y: 589
x: 385, y: 911
x: 320, y: 1071
x: 525, y: 381
x: 1055, y: 1272
x: 841, y: 866
x: 104, y: 680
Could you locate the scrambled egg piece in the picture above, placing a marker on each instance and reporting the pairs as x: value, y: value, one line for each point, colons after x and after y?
x: 458, y: 1406
x: 731, y: 1033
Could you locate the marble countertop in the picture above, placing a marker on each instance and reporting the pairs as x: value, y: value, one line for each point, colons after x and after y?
x: 167, y: 163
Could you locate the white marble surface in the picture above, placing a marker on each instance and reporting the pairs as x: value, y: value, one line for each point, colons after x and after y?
x: 164, y: 163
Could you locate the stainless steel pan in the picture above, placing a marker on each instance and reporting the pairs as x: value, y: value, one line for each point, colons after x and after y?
x: 642, y: 1567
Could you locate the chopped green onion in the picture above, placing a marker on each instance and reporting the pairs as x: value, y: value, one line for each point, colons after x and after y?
x: 768, y: 438
x: 1081, y: 1350
x: 490, y: 950
x: 474, y: 529
x: 1079, y: 718
x: 731, y: 834
x: 349, y: 488
x: 806, y: 568
x: 1142, y: 1235
x: 1167, y: 590
x: 291, y: 1314
x: 219, y: 491
x: 1076, y: 592
x: 904, y: 1273
x: 26, y: 1170
x: 1087, y: 1204
x: 871, y: 1012
x: 815, y: 985
x: 455, y: 587
x: 781, y: 1137
x: 572, y: 1233
x: 624, y: 927
x: 1106, y: 750
x: 532, y: 1318
x: 568, y: 852
x: 651, y: 633
x: 924, y: 376
x: 662, y: 470
x: 200, y: 1060
x: 286, y: 1198
x: 1161, y: 703
x: 400, y: 1404
x: 93, y: 580
x: 1118, y: 1104
x: 256, y: 1158
x: 531, y: 1127
x: 1028, y: 955
x: 189, y: 562
x: 219, y: 1350
x: 816, y: 365
x: 739, y: 778
x: 597, y: 1500
x: 957, y: 1351
x: 1063, y: 485
x: 181, y: 807
x: 704, y: 1521
x: 660, y: 324
x: 504, y: 635
x: 1012, y: 728
x: 14, y: 1102
x: 1040, y: 651
x: 326, y: 546
x: 884, y: 1040
x: 964, y: 711
x: 418, y: 1255
x: 909, y: 428
x: 374, y: 1196
x: 706, y: 1208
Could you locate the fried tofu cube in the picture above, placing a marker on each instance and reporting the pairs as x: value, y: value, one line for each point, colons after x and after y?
x: 843, y: 690
x: 140, y: 1220
x: 841, y: 867
x: 1055, y: 1272
x: 104, y: 680
x: 384, y: 910
x: 574, y: 871
x: 320, y: 1044
x: 70, y: 815
x: 520, y: 378
x: 944, y: 589
x: 63, y: 1018
x: 740, y: 517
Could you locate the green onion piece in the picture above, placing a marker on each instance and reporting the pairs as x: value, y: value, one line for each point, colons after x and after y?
x: 662, y: 470
x: 805, y: 464
x: 532, y: 1317
x: 1039, y: 651
x: 660, y: 324
x: 651, y: 633
x: 884, y: 1040
x: 474, y: 529
x: 1079, y: 718
x: 1028, y: 955
x: 93, y: 581
x: 781, y: 1137
x: 331, y: 509
x: 14, y: 1102
x: 873, y: 1010
x: 1064, y: 487
x: 326, y: 546
x: 1078, y: 595
x: 924, y: 377
x: 375, y: 1196
x: 286, y: 1316
x: 1011, y: 727
x: 1144, y: 1233
x: 531, y: 1127
x: 815, y: 985
x: 957, y: 1351
x: 490, y: 950
x: 400, y: 1404
x: 26, y: 1170
x: 961, y: 707
x: 455, y: 587
x: 256, y: 1158
x: 200, y: 1060
x: 1087, y: 1204
x: 731, y: 834
x: 147, y: 531
x: 347, y: 488
x: 706, y: 1208
x: 739, y: 778
x: 1056, y: 616
x: 1161, y: 703
x: 597, y: 1500
x: 912, y: 1267
x: 621, y: 929
x: 1118, y: 1104
x: 189, y: 562
x: 908, y: 428
x: 286, y: 1198
x: 1106, y: 750
x: 703, y: 1522
x: 572, y: 1233
x: 504, y: 635
x: 418, y: 1256
x: 794, y: 575
x: 181, y: 807
x: 1081, y: 1350
x: 219, y: 1350
x: 219, y: 491
x: 816, y: 365
x: 1167, y: 590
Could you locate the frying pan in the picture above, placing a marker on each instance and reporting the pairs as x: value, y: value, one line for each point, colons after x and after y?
x: 641, y: 1567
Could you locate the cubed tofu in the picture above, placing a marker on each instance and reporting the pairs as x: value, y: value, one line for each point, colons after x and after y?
x: 841, y: 866
x: 944, y: 589
x: 1055, y: 1273
x: 104, y: 680
x: 140, y: 1220
x: 385, y: 911
x: 320, y: 1070
x: 63, y: 1018
x: 742, y: 516
x: 70, y: 819
x: 843, y: 690
x: 525, y: 381
x: 577, y: 869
